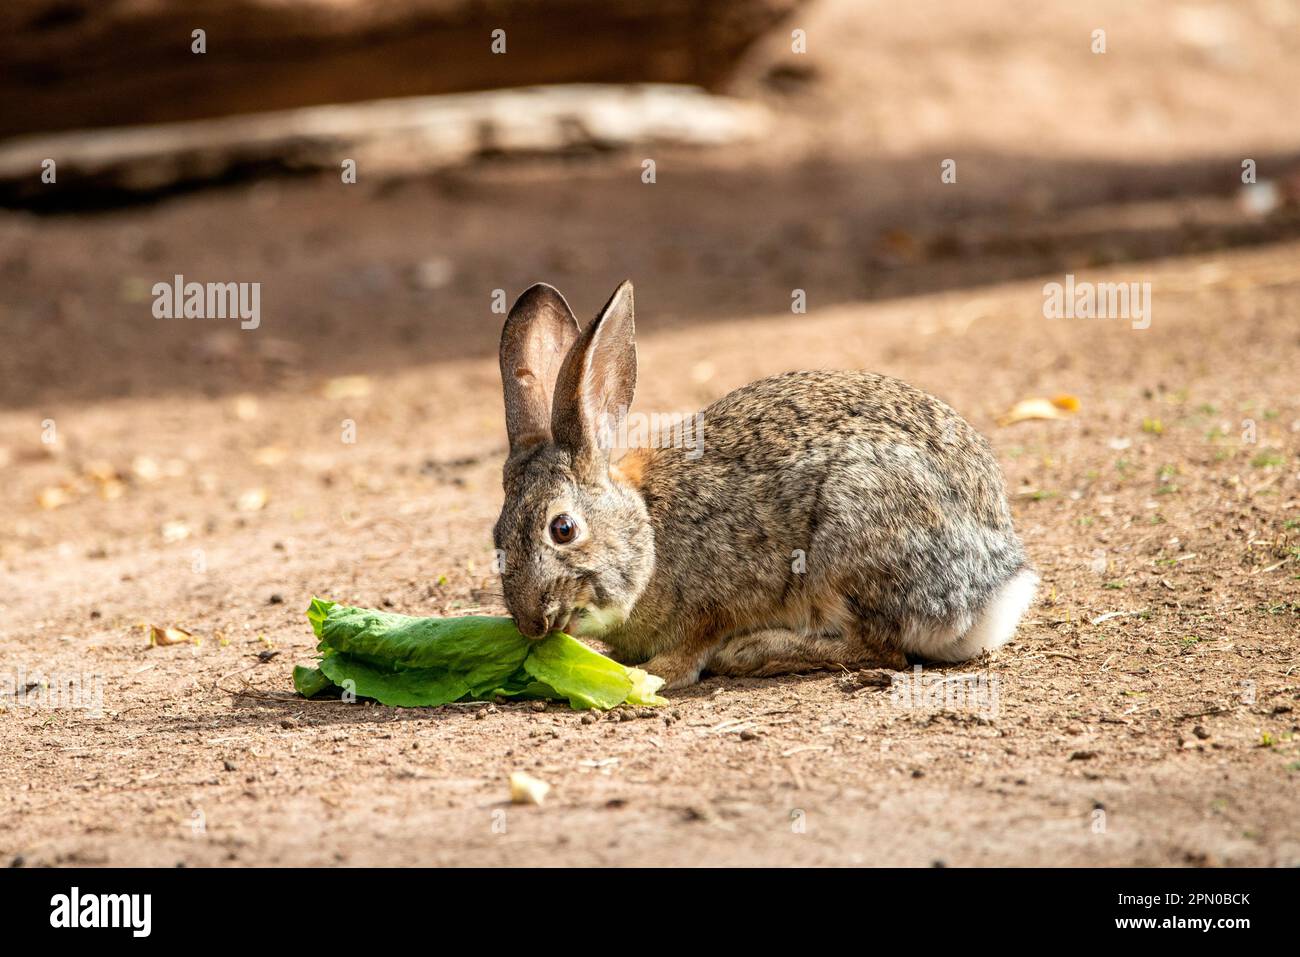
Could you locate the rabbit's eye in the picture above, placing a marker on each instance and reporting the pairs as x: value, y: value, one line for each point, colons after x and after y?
x: 563, y: 529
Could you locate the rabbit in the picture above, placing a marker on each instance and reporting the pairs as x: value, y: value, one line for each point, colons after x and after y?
x: 832, y: 519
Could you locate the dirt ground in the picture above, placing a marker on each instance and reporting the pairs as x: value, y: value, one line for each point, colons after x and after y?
x: 1147, y: 710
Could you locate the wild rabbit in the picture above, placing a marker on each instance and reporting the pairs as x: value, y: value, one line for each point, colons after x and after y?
x: 832, y: 518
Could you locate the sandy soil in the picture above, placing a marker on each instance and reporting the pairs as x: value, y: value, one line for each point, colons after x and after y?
x: 1146, y: 713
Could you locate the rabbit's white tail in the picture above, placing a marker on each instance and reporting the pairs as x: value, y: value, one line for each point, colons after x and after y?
x: 997, y: 623
x: 991, y: 629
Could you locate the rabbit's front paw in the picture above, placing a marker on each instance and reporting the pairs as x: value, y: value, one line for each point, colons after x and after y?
x: 678, y: 671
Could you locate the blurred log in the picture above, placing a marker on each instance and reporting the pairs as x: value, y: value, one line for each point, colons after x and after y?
x: 384, y: 138
x: 67, y: 64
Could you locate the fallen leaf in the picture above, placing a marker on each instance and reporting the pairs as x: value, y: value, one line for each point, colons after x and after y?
x: 1058, y: 407
x: 168, y: 636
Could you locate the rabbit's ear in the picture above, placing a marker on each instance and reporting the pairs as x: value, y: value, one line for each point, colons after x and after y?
x: 595, y: 387
x: 538, y: 334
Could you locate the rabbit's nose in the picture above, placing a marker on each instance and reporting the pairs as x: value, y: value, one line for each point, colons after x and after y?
x: 528, y: 618
x: 532, y: 626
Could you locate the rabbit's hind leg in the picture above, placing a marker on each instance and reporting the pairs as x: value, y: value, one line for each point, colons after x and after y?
x: 780, y: 651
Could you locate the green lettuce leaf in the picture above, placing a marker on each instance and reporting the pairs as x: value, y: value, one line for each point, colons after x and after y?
x: 588, y: 679
x: 644, y: 688
x: 309, y: 682
x: 421, y: 662
x: 317, y: 612
x: 405, y: 688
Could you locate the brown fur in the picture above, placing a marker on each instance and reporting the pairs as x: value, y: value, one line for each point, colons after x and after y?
x: 630, y: 469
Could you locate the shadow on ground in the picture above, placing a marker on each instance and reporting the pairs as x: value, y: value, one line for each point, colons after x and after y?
x: 373, y: 278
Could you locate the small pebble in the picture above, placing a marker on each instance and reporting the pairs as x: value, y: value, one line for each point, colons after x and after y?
x: 526, y: 789
x: 749, y: 734
x: 275, y: 599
